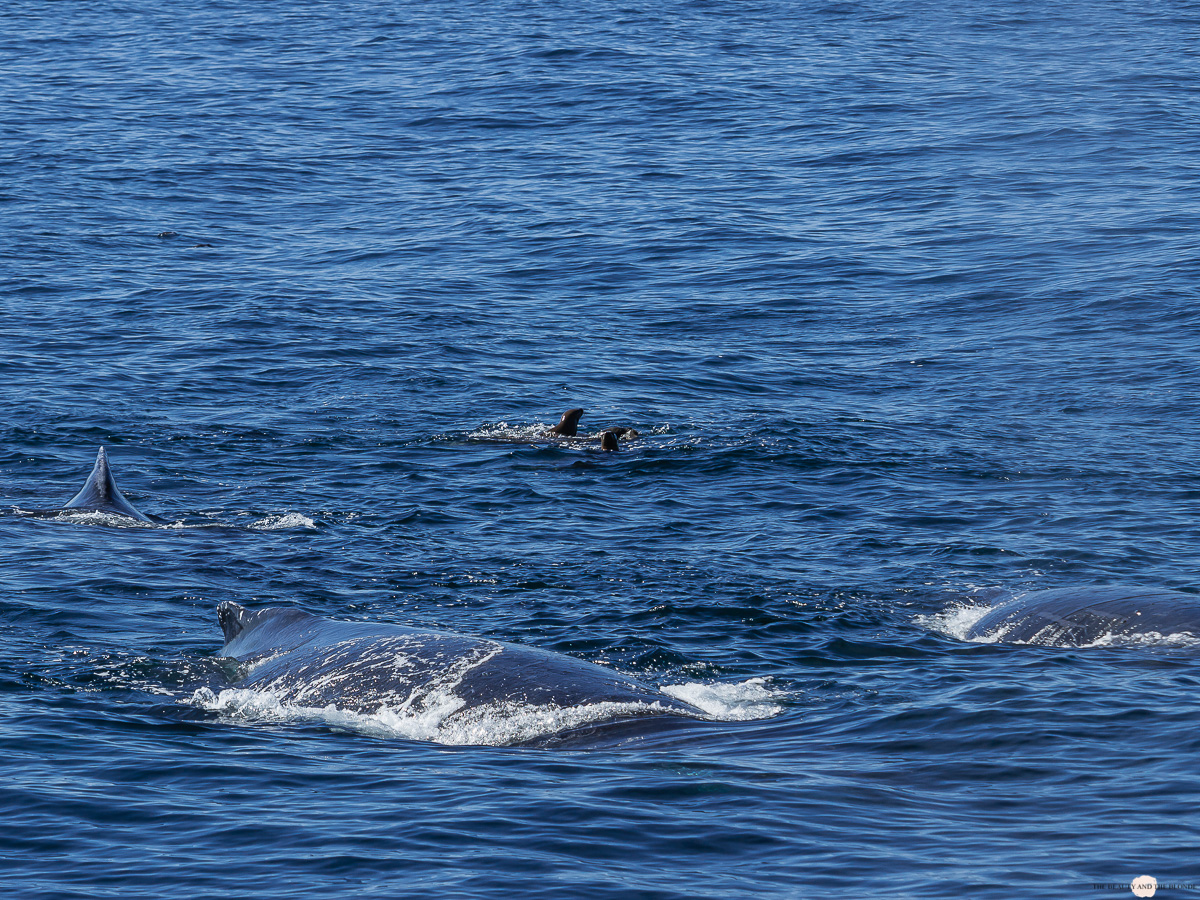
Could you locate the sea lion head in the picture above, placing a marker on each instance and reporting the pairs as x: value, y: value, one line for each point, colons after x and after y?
x: 622, y: 431
x: 568, y: 425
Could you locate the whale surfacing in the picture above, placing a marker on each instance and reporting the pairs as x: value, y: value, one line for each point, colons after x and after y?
x: 1080, y: 617
x: 306, y: 661
x: 98, y: 494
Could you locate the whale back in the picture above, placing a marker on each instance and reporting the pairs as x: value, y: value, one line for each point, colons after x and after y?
x: 311, y: 661
x: 1073, y: 617
x: 101, y: 494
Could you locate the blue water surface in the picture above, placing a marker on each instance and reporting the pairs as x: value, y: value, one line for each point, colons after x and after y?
x: 901, y: 297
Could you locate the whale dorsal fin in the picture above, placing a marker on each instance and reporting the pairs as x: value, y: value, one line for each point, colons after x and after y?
x: 100, y: 492
x: 280, y: 624
x: 234, y: 619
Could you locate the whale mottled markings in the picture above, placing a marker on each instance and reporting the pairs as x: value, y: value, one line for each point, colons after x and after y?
x: 1078, y: 617
x: 99, y: 494
x: 306, y: 661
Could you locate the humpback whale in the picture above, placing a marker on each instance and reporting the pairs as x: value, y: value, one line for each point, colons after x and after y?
x: 1078, y: 617
x: 100, y: 494
x: 307, y: 661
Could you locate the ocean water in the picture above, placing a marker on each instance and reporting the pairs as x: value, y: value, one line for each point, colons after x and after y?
x: 901, y: 297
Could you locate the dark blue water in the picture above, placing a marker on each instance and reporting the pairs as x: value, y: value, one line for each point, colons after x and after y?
x: 902, y: 297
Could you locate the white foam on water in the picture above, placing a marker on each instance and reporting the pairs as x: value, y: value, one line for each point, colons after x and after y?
x: 439, y: 716
x: 502, y: 431
x: 1145, y: 639
x: 540, y: 434
x: 508, y: 722
x: 114, y: 520
x: 741, y: 702
x: 282, y: 522
x: 957, y: 621
x: 97, y: 517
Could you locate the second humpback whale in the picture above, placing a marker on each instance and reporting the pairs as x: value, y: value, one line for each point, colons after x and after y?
x: 100, y: 494
x: 1076, y: 617
x: 306, y: 661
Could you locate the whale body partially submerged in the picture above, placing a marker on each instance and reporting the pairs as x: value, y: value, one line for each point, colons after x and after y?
x: 98, y: 494
x: 1075, y: 617
x: 306, y: 661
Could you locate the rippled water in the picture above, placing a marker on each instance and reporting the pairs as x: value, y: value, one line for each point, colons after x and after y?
x: 901, y: 298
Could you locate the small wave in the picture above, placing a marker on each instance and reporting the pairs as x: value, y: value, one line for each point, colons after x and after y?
x: 282, y: 522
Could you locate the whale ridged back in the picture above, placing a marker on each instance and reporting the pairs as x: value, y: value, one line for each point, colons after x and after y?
x: 100, y: 493
x: 298, y: 657
x: 250, y: 631
x: 1074, y: 617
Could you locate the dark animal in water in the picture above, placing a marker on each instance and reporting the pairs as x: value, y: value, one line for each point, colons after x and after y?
x: 99, y: 494
x: 621, y: 431
x: 568, y: 425
x: 362, y: 667
x: 1078, y: 617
